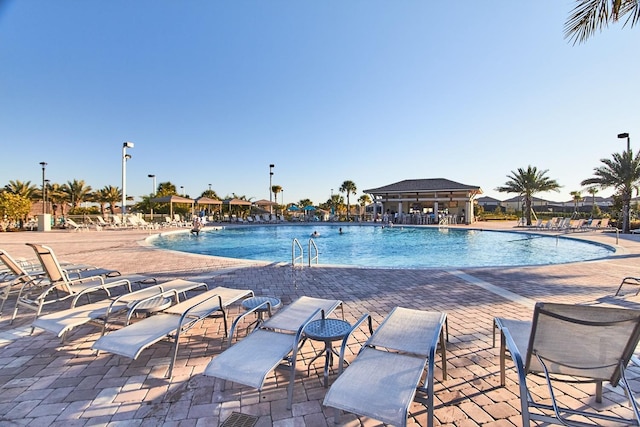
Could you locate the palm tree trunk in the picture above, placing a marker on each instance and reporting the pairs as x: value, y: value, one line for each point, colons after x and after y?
x: 626, y: 205
x: 527, y: 205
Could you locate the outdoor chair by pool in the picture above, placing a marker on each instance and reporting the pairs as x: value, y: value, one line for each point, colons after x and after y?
x: 131, y: 340
x: 277, y: 339
x: 63, y: 321
x: 571, y: 343
x: 381, y: 382
x: 61, y: 284
x: 71, y: 224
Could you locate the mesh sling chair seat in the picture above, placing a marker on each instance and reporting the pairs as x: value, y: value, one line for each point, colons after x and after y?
x: 381, y: 382
x: 572, y: 343
x: 63, y: 321
x: 276, y: 340
x: 176, y: 320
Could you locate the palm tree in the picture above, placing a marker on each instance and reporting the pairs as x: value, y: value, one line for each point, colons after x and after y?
x: 108, y: 194
x: 24, y: 189
x: 348, y: 187
x: 363, y: 201
x: 77, y: 191
x: 621, y: 172
x: 589, y: 16
x: 275, y: 189
x: 594, y: 209
x: 577, y: 197
x: 57, y: 197
x: 526, y: 183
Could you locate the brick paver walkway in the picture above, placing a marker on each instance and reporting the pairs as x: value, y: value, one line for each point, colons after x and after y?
x: 44, y: 382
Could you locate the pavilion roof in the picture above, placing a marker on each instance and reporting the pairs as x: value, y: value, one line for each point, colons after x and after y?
x: 424, y: 185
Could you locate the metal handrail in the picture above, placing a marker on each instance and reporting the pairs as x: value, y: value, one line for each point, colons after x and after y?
x: 295, y: 258
x: 312, y: 244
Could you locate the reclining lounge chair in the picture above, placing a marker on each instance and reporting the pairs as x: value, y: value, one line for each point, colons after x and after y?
x: 571, y: 343
x: 250, y: 360
x: 61, y: 322
x: 131, y: 340
x: 383, y: 379
x: 35, y: 294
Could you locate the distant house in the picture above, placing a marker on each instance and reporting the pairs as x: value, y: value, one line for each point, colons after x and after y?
x: 517, y: 203
x: 427, y: 195
x: 489, y: 204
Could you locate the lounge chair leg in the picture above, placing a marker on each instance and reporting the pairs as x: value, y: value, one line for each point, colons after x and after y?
x: 503, y: 367
x: 336, y: 415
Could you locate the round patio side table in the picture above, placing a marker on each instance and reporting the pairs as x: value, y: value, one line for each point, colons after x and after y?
x: 253, y: 302
x: 328, y: 331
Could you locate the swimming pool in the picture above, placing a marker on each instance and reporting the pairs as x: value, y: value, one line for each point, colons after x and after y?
x: 394, y: 247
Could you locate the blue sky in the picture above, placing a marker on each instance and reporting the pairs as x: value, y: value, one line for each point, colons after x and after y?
x: 212, y: 92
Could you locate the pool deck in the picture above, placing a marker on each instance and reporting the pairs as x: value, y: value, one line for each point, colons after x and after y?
x: 44, y: 382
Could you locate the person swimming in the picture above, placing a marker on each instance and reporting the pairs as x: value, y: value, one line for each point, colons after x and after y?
x: 340, y: 230
x: 315, y: 234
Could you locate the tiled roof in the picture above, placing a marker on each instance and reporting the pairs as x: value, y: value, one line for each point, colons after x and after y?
x: 430, y: 184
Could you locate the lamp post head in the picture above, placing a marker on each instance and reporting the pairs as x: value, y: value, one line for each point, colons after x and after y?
x: 127, y: 156
x: 43, y: 164
x: 623, y: 135
x: 127, y: 144
x: 151, y: 176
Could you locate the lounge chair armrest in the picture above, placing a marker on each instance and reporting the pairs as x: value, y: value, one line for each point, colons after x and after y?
x: 345, y: 340
x: 245, y: 314
x: 135, y: 306
x: 513, y: 351
x: 629, y: 280
x: 87, y: 292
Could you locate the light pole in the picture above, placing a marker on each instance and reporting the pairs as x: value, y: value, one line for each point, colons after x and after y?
x: 209, y: 190
x: 626, y: 135
x: 125, y: 157
x: 153, y: 191
x: 46, y: 186
x: 271, y: 166
x: 182, y: 190
x: 44, y: 201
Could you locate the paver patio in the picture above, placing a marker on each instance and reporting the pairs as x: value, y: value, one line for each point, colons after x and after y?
x: 44, y: 382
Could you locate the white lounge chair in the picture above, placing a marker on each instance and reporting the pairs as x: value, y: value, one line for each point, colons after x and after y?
x: 382, y: 381
x: 63, y: 321
x: 75, y: 226
x: 131, y: 340
x: 251, y: 359
x: 60, y: 284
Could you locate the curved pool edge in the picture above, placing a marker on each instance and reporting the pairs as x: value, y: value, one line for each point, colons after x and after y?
x: 616, y: 249
x: 240, y: 262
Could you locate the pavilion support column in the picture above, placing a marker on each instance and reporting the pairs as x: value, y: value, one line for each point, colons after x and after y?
x: 435, y: 212
x: 468, y: 212
x: 400, y: 220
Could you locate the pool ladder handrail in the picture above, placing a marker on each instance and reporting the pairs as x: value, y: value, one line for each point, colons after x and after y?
x: 296, y: 244
x: 312, y: 244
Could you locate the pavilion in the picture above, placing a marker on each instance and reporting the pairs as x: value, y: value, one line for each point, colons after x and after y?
x: 431, y: 195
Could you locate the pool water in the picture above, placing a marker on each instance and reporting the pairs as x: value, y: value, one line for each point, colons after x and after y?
x: 393, y: 247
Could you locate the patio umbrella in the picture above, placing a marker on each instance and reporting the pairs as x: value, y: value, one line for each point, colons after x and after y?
x: 293, y: 208
x: 309, y: 208
x: 173, y: 199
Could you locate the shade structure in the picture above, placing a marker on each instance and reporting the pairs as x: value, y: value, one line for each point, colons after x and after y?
x: 236, y: 202
x: 293, y: 208
x: 309, y: 208
x: 173, y: 199
x: 264, y: 202
x: 207, y: 201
